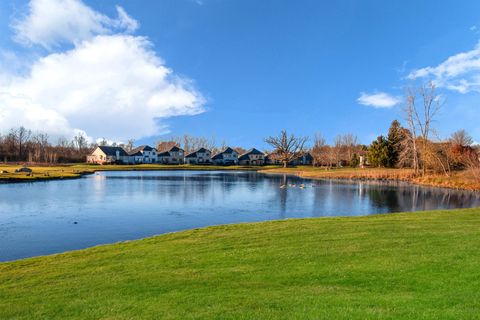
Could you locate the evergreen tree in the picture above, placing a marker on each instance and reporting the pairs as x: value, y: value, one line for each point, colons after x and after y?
x: 378, y: 152
x: 394, y: 140
x: 355, y: 161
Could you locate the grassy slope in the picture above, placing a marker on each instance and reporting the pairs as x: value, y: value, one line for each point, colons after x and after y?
x: 423, y: 265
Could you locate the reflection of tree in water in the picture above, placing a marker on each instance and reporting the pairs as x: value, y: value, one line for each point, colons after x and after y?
x: 320, y: 197
x: 406, y: 197
x: 382, y: 198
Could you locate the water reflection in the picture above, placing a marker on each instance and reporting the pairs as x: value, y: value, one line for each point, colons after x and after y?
x: 55, y: 216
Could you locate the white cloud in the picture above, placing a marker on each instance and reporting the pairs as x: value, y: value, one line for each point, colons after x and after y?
x: 52, y: 22
x: 378, y: 100
x: 112, y: 86
x: 460, y: 72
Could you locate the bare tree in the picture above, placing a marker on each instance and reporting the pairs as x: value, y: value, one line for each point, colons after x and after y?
x: 461, y: 138
x: 319, y: 152
x: 350, y: 144
x: 21, y: 137
x: 80, y: 142
x: 419, y: 120
x: 102, y: 142
x: 190, y: 143
x: 129, y: 145
x: 337, y: 149
x: 287, y: 147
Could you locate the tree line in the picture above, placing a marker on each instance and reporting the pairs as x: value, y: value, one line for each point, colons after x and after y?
x: 23, y: 145
x: 414, y: 145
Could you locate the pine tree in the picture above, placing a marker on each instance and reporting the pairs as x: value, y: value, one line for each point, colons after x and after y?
x: 394, y: 140
x: 378, y: 152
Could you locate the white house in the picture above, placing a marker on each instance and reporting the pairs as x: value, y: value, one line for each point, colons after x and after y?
x: 226, y: 157
x: 144, y: 154
x: 174, y: 155
x: 201, y: 156
x: 252, y: 157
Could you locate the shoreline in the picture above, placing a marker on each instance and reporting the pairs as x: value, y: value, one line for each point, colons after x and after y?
x: 457, y: 181
x: 42, y: 173
x: 374, y: 174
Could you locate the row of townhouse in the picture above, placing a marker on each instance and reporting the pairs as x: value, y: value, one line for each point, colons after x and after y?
x: 176, y: 155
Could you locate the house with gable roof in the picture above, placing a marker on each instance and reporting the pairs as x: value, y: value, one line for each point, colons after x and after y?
x: 174, y: 155
x: 200, y: 156
x: 252, y: 157
x: 144, y: 154
x: 227, y: 156
x: 108, y: 155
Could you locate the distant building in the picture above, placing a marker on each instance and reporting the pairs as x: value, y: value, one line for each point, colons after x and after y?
x: 144, y: 154
x: 272, y: 159
x: 174, y: 155
x: 200, y: 156
x: 252, y: 157
x: 111, y: 155
x: 108, y: 155
x: 226, y: 157
x: 304, y: 160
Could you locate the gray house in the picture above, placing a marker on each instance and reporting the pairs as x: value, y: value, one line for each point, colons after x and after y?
x: 174, y: 155
x: 305, y: 159
x: 252, y: 157
x: 226, y: 157
x: 148, y: 154
x: 200, y: 156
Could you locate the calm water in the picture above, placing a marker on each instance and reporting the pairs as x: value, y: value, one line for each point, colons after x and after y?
x: 55, y: 216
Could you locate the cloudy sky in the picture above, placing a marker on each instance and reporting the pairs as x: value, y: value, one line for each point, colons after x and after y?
x: 233, y: 70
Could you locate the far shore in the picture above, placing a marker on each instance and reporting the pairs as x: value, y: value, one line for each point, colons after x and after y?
x: 40, y: 172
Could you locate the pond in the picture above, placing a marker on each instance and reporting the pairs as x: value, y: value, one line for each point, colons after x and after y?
x: 55, y: 216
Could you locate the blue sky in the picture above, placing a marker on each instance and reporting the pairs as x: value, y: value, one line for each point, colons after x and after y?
x: 251, y: 68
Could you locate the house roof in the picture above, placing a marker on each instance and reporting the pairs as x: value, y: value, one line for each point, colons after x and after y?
x: 112, y: 151
x: 142, y: 148
x: 219, y: 155
x: 308, y: 156
x: 245, y: 156
x: 135, y: 153
x: 167, y: 153
x: 254, y: 151
x: 175, y: 148
x: 194, y: 153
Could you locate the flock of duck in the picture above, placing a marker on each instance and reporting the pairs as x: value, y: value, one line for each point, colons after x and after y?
x: 290, y: 185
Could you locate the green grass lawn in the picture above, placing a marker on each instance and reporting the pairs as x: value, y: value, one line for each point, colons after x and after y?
x: 423, y: 265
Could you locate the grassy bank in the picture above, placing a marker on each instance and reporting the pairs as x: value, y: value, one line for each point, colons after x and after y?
x: 41, y: 173
x: 423, y: 265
